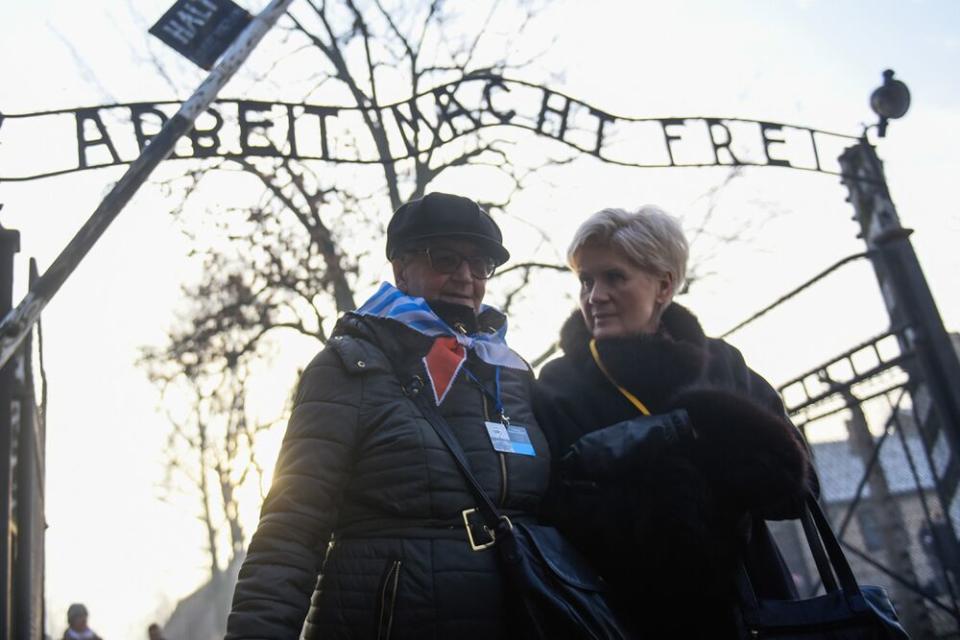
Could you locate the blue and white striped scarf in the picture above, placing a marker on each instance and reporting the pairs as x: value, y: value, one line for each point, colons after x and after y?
x: 390, y: 302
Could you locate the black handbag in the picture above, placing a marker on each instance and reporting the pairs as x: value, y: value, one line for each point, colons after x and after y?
x: 847, y: 611
x: 553, y: 592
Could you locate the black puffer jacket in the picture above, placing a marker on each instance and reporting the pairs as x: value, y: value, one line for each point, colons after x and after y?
x: 366, y: 495
x: 666, y: 505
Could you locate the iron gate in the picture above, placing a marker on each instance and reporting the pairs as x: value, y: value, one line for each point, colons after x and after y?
x: 882, y: 420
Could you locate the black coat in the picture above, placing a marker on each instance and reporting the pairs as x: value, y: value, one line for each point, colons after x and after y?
x: 666, y: 519
x: 366, y: 495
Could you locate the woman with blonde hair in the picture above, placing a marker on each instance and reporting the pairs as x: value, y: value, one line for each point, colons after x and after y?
x: 670, y: 452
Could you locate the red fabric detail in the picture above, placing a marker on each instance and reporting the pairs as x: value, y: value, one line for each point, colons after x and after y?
x: 443, y: 362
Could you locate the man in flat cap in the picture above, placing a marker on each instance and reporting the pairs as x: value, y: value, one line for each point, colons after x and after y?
x: 364, y: 493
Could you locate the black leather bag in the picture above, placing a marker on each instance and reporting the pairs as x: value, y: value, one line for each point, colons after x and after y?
x: 847, y: 611
x: 553, y: 592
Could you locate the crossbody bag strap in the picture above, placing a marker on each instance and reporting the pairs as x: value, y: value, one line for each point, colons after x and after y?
x: 413, y: 389
x: 491, y: 515
x: 634, y: 400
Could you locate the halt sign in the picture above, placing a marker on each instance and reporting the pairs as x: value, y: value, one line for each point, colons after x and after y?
x: 201, y: 30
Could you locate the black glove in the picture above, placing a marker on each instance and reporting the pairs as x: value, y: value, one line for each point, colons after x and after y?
x: 616, y: 450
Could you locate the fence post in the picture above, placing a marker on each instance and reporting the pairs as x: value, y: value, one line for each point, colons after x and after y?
x: 27, y: 605
x: 933, y: 368
x: 9, y: 245
x: 909, y: 302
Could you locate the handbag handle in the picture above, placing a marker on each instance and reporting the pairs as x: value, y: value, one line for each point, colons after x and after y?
x: 827, y: 554
x: 832, y: 545
x: 815, y: 545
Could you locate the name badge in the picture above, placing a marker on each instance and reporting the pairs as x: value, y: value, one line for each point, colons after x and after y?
x: 510, y: 439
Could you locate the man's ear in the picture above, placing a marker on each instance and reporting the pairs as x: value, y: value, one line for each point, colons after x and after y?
x: 398, y: 275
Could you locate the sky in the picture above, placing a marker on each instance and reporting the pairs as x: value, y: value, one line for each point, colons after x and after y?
x: 115, y: 545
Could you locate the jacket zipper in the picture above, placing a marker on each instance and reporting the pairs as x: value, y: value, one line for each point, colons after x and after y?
x: 388, y: 598
x: 501, y: 455
x: 503, y: 478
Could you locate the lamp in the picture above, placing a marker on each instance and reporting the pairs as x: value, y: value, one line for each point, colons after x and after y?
x: 889, y: 101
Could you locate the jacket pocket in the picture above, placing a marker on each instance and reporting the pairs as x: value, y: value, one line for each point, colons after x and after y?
x: 387, y: 599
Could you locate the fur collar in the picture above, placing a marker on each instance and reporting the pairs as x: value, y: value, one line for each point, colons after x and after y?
x: 654, y: 367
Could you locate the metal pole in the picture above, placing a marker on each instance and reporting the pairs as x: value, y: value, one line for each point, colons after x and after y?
x: 9, y: 245
x: 27, y: 589
x: 909, y: 301
x: 18, y: 323
x: 934, y: 370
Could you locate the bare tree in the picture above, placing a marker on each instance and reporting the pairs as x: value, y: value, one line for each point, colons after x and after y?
x: 211, y: 444
x: 293, y: 260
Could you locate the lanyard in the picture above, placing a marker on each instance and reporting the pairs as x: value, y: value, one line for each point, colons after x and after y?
x: 634, y: 400
x: 496, y: 397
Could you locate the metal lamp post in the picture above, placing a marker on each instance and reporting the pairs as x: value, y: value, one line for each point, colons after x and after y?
x: 931, y: 362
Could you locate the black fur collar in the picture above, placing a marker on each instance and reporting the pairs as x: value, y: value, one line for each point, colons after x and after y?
x: 652, y: 366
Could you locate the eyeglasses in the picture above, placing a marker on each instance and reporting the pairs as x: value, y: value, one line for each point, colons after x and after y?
x: 447, y: 261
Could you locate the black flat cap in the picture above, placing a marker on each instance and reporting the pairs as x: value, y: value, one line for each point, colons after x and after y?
x: 442, y: 215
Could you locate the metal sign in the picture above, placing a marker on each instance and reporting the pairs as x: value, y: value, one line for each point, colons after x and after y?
x: 115, y: 134
x: 18, y: 323
x: 201, y: 30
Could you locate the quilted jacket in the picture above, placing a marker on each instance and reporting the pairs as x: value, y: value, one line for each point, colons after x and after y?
x: 362, y: 533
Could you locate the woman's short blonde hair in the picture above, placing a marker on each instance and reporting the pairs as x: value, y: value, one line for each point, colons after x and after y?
x: 649, y: 237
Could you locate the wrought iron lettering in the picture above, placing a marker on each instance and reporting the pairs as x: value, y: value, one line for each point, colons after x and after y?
x: 450, y: 110
x: 712, y: 123
x: 407, y: 125
x: 212, y: 135
x: 291, y: 132
x: 545, y: 109
x: 602, y: 119
x: 503, y: 116
x: 84, y: 116
x: 765, y: 129
x: 322, y: 114
x: 423, y: 123
x: 669, y: 137
x: 137, y: 112
x: 249, y: 127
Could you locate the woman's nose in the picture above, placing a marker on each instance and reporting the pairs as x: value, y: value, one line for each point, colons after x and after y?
x: 597, y: 294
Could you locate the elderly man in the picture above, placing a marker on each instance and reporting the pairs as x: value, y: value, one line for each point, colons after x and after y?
x: 364, y: 492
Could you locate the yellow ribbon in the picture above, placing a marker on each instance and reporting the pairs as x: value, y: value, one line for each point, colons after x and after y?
x: 634, y: 400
